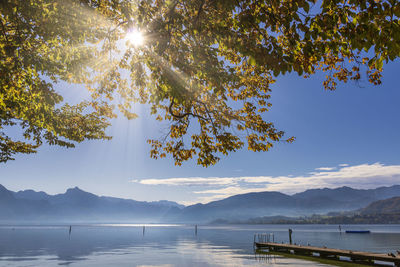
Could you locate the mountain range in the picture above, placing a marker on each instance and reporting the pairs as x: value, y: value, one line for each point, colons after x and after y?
x: 76, y: 205
x: 313, y: 201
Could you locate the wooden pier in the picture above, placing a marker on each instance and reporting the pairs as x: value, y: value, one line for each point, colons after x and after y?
x: 354, y: 256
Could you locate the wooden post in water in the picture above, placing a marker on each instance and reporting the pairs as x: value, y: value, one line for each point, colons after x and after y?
x: 195, y: 229
x: 290, y: 236
x: 143, y: 229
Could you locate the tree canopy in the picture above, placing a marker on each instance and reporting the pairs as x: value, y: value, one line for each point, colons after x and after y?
x: 205, y: 66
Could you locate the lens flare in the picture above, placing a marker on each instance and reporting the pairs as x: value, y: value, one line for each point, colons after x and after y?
x: 135, y: 37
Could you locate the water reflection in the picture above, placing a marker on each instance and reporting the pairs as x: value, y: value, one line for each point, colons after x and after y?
x: 172, y: 245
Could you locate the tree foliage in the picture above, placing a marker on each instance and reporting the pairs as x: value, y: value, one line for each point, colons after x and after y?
x: 40, y: 44
x: 206, y: 66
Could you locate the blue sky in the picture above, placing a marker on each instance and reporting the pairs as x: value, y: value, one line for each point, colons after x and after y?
x: 346, y: 137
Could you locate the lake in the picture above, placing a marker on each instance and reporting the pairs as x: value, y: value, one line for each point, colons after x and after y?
x: 176, y: 245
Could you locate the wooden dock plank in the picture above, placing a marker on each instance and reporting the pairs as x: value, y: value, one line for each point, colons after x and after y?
x: 326, y: 252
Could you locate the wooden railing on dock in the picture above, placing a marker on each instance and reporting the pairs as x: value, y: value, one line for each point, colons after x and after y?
x: 354, y: 256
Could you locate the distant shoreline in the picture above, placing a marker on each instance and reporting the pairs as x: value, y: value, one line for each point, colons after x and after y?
x: 152, y: 224
x: 379, y: 218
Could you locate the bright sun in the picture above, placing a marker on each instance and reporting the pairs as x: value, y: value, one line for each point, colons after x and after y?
x: 135, y: 37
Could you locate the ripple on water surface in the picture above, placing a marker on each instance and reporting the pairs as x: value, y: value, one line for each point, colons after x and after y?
x: 174, y: 245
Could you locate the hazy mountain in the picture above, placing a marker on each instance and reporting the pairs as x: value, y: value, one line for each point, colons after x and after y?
x: 314, y: 201
x: 78, y: 205
x: 5, y: 195
x: 31, y: 194
x: 391, y: 205
x: 245, y: 205
x: 14, y: 208
x: 348, y: 198
x: 168, y: 203
x: 378, y: 212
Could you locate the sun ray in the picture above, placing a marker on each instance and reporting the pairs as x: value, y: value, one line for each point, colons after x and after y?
x: 135, y: 37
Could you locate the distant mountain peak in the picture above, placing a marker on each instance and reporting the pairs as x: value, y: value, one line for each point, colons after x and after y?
x: 2, y: 188
x: 77, y: 193
x: 5, y: 193
x: 75, y: 189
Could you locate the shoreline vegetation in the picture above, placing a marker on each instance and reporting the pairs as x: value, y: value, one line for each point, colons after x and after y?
x: 385, y: 211
x: 381, y: 218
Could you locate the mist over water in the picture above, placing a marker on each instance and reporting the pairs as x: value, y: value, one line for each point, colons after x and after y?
x: 175, y: 245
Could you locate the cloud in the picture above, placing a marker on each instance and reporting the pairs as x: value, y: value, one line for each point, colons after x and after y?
x: 192, y: 181
x: 215, y: 194
x: 325, y: 168
x: 363, y: 176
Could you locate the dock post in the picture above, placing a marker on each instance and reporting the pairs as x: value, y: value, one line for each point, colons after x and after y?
x: 290, y: 236
x: 195, y: 229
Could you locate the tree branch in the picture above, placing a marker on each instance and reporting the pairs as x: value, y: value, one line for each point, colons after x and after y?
x: 198, y: 12
x: 181, y: 116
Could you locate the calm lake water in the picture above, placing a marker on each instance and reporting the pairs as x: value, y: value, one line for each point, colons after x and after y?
x: 176, y: 245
